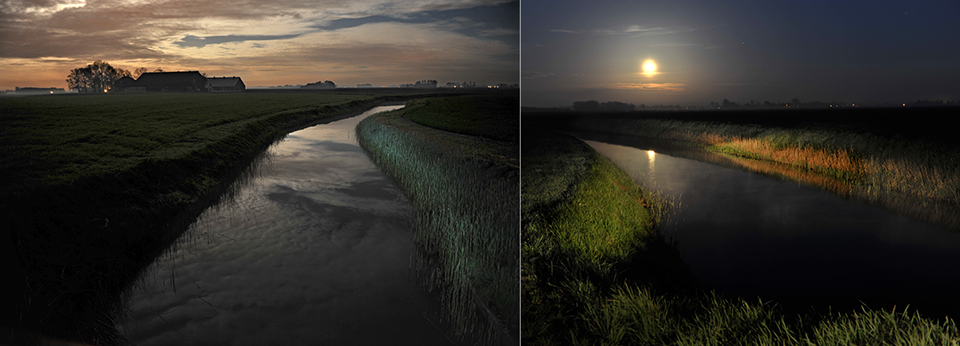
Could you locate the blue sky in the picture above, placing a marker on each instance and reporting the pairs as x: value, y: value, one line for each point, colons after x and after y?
x: 851, y: 51
x: 382, y: 42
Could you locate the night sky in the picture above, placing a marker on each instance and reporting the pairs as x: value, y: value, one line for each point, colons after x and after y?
x: 843, y: 51
x: 276, y: 42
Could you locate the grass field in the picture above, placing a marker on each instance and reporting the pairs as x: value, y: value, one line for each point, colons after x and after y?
x: 465, y: 194
x: 61, y: 139
x: 595, y: 271
x: 488, y: 116
x: 907, y: 167
x: 94, y: 187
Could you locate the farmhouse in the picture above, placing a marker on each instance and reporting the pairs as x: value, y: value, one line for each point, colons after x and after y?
x: 226, y: 84
x: 173, y: 81
x: 186, y: 81
x: 126, y: 84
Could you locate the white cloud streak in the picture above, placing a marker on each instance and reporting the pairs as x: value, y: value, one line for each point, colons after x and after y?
x: 633, y: 31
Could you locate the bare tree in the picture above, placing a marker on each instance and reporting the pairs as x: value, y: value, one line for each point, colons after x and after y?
x: 138, y: 72
x: 79, y: 79
x: 96, y: 77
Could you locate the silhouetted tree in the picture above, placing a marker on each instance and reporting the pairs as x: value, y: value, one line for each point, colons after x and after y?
x: 586, y: 106
x: 320, y: 85
x: 795, y: 102
x: 614, y: 106
x: 139, y: 71
x: 96, y: 77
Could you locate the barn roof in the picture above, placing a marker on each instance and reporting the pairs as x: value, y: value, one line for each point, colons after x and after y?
x: 125, y: 81
x: 222, y: 82
x: 170, y: 79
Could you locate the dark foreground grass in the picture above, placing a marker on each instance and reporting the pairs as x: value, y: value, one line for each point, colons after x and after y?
x: 596, y: 272
x: 61, y: 139
x: 94, y: 188
x: 488, y: 116
x: 907, y: 165
x: 464, y: 190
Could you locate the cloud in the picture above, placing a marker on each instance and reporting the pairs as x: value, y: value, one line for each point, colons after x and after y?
x: 536, y: 74
x: 381, y: 53
x: 384, y: 36
x: 658, y: 31
x: 676, y: 87
x: 675, y: 44
x: 498, y: 32
x: 194, y: 41
x: 633, y: 30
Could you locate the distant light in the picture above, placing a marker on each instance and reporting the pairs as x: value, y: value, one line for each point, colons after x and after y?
x: 903, y: 104
x: 649, y: 67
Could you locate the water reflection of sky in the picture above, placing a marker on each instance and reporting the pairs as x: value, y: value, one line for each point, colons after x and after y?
x: 315, y: 250
x: 748, y: 235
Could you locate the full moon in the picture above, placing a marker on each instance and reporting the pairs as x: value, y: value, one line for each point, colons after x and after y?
x: 649, y: 67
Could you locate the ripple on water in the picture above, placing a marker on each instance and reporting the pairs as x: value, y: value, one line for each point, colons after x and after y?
x: 314, y: 250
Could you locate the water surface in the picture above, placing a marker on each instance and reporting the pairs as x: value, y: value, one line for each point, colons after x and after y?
x: 749, y: 235
x: 315, y: 249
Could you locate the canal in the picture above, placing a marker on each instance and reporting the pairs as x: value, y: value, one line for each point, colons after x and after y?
x: 749, y: 236
x: 314, y: 248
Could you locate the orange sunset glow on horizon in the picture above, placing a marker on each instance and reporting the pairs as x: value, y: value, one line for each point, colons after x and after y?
x: 379, y: 42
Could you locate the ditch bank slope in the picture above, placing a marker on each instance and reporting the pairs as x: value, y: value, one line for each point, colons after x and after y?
x: 464, y: 190
x: 77, y: 247
x: 906, y: 167
x: 597, y: 272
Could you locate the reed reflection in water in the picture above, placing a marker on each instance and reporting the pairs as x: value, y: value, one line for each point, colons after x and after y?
x: 749, y: 235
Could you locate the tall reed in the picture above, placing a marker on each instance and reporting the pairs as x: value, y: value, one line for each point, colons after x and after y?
x: 466, y: 211
x: 629, y: 289
x: 894, y: 173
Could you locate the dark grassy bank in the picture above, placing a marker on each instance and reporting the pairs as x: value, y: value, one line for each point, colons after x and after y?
x: 95, y: 187
x: 488, y: 116
x: 595, y: 271
x: 464, y: 190
x: 904, y: 160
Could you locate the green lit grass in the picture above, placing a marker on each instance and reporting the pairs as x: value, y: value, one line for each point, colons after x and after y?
x: 907, y: 168
x: 921, y: 168
x: 580, y: 288
x: 465, y: 194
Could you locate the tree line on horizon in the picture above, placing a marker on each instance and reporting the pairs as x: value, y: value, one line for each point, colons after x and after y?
x: 99, y: 76
x: 615, y: 106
